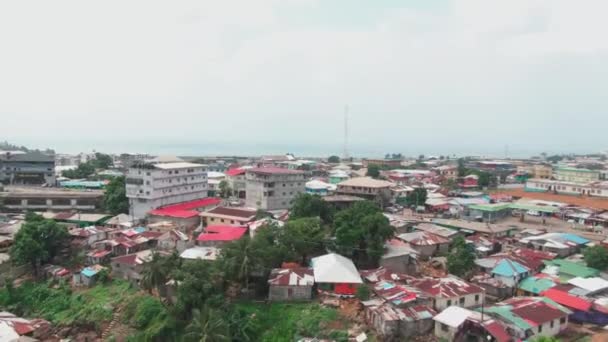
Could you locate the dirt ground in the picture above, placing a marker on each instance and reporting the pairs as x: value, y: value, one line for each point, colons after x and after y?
x: 584, y: 201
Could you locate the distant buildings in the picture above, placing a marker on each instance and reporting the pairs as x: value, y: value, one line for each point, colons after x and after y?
x: 150, y: 186
x: 382, y: 162
x: 366, y: 187
x: 273, y: 188
x: 27, y: 168
x: 576, y: 175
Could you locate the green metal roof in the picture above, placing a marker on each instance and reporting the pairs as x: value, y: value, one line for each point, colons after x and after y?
x: 573, y: 269
x: 536, y: 285
x: 490, y: 207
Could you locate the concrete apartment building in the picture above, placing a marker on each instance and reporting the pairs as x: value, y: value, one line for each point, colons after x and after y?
x: 273, y: 188
x: 150, y: 186
x: 27, y: 168
x: 576, y: 175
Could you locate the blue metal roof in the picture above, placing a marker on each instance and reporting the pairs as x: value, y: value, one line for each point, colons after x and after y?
x: 575, y: 238
x: 88, y: 272
x: 509, y: 268
x: 140, y: 229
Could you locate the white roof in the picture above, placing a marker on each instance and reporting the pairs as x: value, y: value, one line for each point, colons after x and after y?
x: 181, y: 165
x: 590, y: 284
x: 202, y: 253
x: 453, y: 316
x: 166, y: 159
x: 214, y: 174
x: 334, y: 268
x: 8, y: 333
x: 316, y: 184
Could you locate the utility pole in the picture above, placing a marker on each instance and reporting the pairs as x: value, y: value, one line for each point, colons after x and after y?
x: 345, y: 152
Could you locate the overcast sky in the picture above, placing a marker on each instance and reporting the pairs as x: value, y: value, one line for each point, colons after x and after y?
x: 420, y: 76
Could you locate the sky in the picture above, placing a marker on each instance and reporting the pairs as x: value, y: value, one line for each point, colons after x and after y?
x: 513, y: 78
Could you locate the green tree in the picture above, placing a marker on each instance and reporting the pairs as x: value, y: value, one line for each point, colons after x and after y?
x: 596, y: 257
x: 115, y: 197
x: 83, y: 170
x: 361, y: 232
x: 38, y: 241
x: 207, y: 325
x: 363, y: 292
x: 225, y: 189
x: 102, y: 161
x: 555, y: 158
x: 484, y: 179
x: 417, y: 197
x: 303, y: 237
x: 307, y: 205
x: 198, y: 282
x: 373, y: 170
x: 333, y: 159
x: 156, y: 272
x: 461, y: 258
x: 261, y: 213
x: 462, y: 170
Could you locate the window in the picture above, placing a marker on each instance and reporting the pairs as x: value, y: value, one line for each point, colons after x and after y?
x: 552, y: 324
x: 449, y: 302
x: 476, y: 298
x: 540, y: 329
x: 222, y: 220
x: 444, y: 327
x: 147, y: 173
x: 461, y: 301
x: 562, y: 320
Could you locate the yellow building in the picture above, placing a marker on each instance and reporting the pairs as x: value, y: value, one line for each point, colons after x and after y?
x: 572, y: 174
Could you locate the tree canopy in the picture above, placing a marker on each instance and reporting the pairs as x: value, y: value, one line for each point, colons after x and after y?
x: 307, y: 205
x: 416, y: 197
x: 115, y: 197
x: 303, y: 237
x: 361, y: 231
x: 596, y: 257
x: 84, y: 170
x: 225, y: 189
x: 333, y: 159
x: 461, y: 258
x: 373, y: 170
x: 38, y: 241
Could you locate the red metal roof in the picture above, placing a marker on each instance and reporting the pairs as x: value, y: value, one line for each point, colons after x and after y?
x: 236, y: 212
x: 292, y: 276
x: 151, y: 235
x: 498, y: 331
x: 535, y: 254
x: 235, y: 172
x: 222, y: 233
x: 566, y: 299
x: 275, y: 170
x: 534, y: 310
x: 186, y: 209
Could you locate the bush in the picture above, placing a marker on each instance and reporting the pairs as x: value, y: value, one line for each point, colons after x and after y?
x: 363, y: 292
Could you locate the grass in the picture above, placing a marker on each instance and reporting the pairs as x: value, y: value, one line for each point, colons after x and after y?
x: 277, y: 322
x: 61, y: 305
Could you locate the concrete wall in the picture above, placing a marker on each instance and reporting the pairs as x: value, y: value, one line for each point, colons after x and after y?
x: 273, y: 193
x: 401, y: 264
x: 441, y: 304
x: 280, y: 293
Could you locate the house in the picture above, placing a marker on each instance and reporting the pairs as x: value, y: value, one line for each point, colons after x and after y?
x: 510, y: 272
x: 220, y: 234
x: 367, y: 188
x: 527, y: 317
x: 469, y: 182
x: 426, y: 244
x: 447, y: 171
x: 172, y: 240
x: 484, y: 246
x: 335, y: 274
x: 236, y: 180
x: 561, y: 295
x: 291, y: 284
x: 18, y: 329
x: 563, y: 244
x: 399, y: 257
x: 201, y: 253
x: 490, y: 212
x: 130, y: 266
x: 485, y: 228
x: 88, y: 275
x: 459, y: 324
x: 88, y: 235
x: 318, y: 187
x: 488, y: 264
x: 273, y: 188
x: 374, y: 276
x: 120, y: 221
x: 438, y: 230
x: 449, y: 291
x: 228, y: 216
x: 398, y: 323
x: 576, y: 175
x: 338, y: 176
x: 395, y: 163
x: 185, y: 215
x: 536, y: 284
x: 527, y: 253
x: 494, y: 287
x: 98, y: 256
x: 591, y: 286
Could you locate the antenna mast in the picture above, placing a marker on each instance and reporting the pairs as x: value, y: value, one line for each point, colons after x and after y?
x: 345, y: 156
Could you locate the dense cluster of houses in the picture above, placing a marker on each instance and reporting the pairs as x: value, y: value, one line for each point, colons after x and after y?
x: 525, y: 282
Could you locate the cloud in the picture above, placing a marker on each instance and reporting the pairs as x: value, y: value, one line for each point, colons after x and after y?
x: 242, y: 71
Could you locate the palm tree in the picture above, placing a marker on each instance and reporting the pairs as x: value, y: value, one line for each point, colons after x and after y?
x: 239, y: 259
x: 207, y: 325
x: 155, y: 273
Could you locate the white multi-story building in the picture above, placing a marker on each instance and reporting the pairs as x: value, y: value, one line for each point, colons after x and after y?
x: 150, y: 186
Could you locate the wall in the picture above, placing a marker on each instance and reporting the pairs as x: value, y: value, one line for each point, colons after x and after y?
x: 297, y: 293
x: 273, y: 192
x: 469, y: 301
x: 400, y: 264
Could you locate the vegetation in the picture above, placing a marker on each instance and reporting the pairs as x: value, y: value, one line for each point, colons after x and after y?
x: 396, y: 156
x: 333, y: 159
x: 461, y: 258
x: 363, y: 292
x: 361, y: 231
x: 555, y: 158
x: 84, y: 170
x: 596, y: 257
x: 157, y: 271
x: 416, y: 197
x: 303, y: 237
x: 546, y: 339
x: 373, y: 170
x: 115, y: 198
x: 307, y: 205
x: 225, y: 189
x: 38, y: 241
x: 462, y: 169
